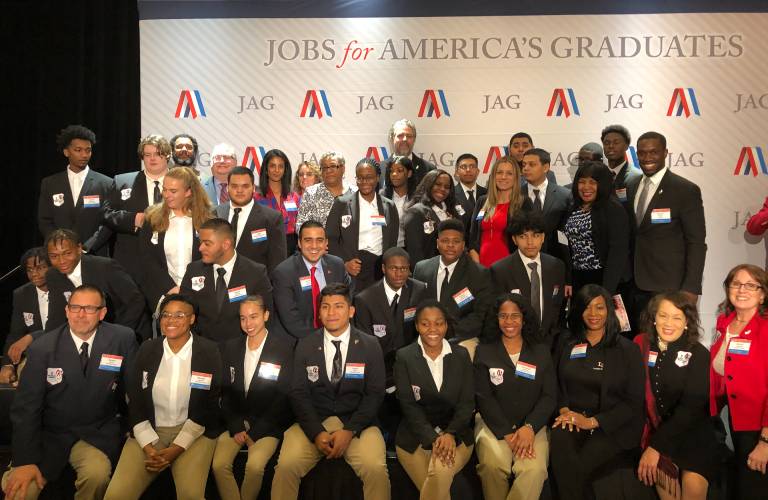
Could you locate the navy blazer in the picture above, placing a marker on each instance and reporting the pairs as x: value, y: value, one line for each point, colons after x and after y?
x: 128, y: 199
x: 25, y: 317
x: 420, y: 226
x: 270, y: 251
x: 343, y: 225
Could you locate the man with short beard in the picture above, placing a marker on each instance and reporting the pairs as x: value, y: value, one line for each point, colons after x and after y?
x: 184, y: 150
x: 402, y: 139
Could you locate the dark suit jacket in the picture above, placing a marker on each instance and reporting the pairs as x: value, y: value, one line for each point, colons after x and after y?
x: 343, y: 239
x: 269, y: 252
x: 128, y: 199
x: 467, y: 206
x: 203, y: 403
x: 626, y: 175
x: 223, y: 323
x: 509, y: 274
x: 420, y: 226
x: 451, y: 408
x: 514, y: 401
x: 87, y: 222
x: 670, y: 256
x: 25, y: 316
x: 556, y: 209
x: 355, y: 401
x: 265, y: 404
x: 294, y: 305
x: 420, y: 169
x: 372, y: 308
x: 476, y: 228
x: 57, y: 405
x: 125, y: 305
x: 467, y: 321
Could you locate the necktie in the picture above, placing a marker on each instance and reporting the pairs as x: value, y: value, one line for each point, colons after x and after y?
x: 536, y: 200
x: 472, y: 196
x: 535, y: 289
x: 223, y: 193
x: 393, y: 305
x: 84, y: 356
x: 444, y: 285
x: 315, y: 295
x: 643, y: 200
x: 156, y: 196
x: 221, y: 287
x: 336, y: 373
x: 235, y: 219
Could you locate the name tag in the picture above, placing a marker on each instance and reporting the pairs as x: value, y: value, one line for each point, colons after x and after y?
x: 739, y: 346
x: 258, y: 235
x: 269, y: 371
x: 58, y: 199
x: 515, y: 290
x: 497, y: 375
x: 237, y: 293
x: 525, y: 370
x: 198, y: 282
x: 480, y: 215
x: 29, y: 318
x: 378, y: 220
x: 306, y: 283
x: 200, y: 380
x: 409, y: 314
x: 621, y: 194
x: 463, y: 297
x: 91, y: 201
x: 380, y: 330
x: 579, y: 351
x: 111, y: 362
x: 54, y: 375
x: 652, y: 356
x: 354, y: 370
x: 661, y: 216
x: 290, y: 206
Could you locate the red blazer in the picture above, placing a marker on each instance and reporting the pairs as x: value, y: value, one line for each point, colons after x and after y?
x: 744, y: 388
x: 758, y: 223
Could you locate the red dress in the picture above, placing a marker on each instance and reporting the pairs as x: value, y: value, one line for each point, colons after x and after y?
x: 493, y: 236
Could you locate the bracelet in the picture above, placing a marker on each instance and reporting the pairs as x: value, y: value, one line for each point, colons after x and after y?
x: 763, y: 438
x: 529, y: 425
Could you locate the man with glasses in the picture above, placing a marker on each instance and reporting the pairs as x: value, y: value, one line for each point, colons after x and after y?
x: 223, y: 160
x: 66, y: 409
x: 468, y: 191
x: 318, y: 198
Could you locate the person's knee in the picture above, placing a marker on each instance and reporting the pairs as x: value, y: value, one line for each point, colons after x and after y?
x: 491, y: 469
x: 254, y: 468
x: 221, y: 464
x: 694, y: 485
x: 95, y: 473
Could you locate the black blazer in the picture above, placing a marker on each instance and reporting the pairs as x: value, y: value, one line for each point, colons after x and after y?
x: 374, y: 317
x: 557, y: 206
x: 466, y: 204
x: 125, y: 305
x: 294, y: 305
x: 476, y: 228
x: 509, y: 275
x: 670, y: 256
x: 355, y: 401
x: 128, y: 199
x: 622, y: 393
x: 626, y: 175
x: 466, y: 321
x: 451, y: 408
x: 265, y: 404
x: 56, y: 210
x: 420, y: 226
x: 25, y: 316
x: 506, y: 400
x: 155, y: 280
x: 203, y: 403
x: 343, y: 225
x: 269, y: 252
x: 224, y: 323
x: 56, y: 405
x: 420, y: 169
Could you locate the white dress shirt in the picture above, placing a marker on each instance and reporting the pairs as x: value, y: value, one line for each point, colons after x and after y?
x: 76, y: 181
x: 390, y: 292
x: 537, y: 260
x: 436, y: 365
x: 370, y: 237
x: 251, y: 361
x: 241, y: 219
x: 329, y: 350
x: 542, y: 191
x: 319, y: 274
x: 617, y: 169
x: 441, y: 274
x: 228, y: 266
x: 151, y: 187
x: 42, y: 303
x: 400, y: 202
x: 467, y: 189
x: 76, y: 276
x: 655, y: 181
x: 79, y: 342
x: 441, y: 211
x: 178, y: 246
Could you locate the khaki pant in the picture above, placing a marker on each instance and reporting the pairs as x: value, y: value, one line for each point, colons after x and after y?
x: 92, y: 468
x: 496, y: 462
x: 259, y: 454
x: 190, y: 469
x: 470, y: 345
x: 366, y: 455
x: 431, y: 477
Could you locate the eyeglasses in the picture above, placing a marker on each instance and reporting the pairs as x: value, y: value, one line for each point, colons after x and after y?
x: 467, y: 167
x: 510, y: 316
x: 222, y: 158
x: 750, y: 287
x: 327, y: 168
x: 76, y: 308
x: 178, y: 315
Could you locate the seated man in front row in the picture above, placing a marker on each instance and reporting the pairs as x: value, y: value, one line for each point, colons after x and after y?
x: 67, y: 404
x: 338, y: 385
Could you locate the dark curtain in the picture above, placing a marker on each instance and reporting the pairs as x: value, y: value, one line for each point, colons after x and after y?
x: 62, y: 63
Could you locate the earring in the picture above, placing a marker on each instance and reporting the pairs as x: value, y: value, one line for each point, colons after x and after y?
x: 654, y: 323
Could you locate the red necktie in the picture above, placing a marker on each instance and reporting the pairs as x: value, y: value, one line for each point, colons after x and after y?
x: 315, y: 295
x: 223, y: 194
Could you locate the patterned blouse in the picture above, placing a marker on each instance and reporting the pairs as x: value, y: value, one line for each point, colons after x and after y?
x: 289, y: 207
x: 578, y: 229
x: 316, y: 204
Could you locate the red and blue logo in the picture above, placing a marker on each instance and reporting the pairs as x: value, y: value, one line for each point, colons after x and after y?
x: 494, y: 153
x: 632, y: 157
x: 563, y: 102
x: 377, y: 153
x: 190, y: 106
x: 749, y: 161
x: 683, y: 102
x: 314, y: 105
x: 434, y: 103
x: 253, y: 158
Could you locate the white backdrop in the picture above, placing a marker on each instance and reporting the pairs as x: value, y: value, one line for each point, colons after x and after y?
x: 247, y: 81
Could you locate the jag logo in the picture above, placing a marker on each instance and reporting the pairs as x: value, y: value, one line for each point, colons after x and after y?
x: 190, y: 106
x: 312, y: 104
x: 430, y: 105
x: 377, y: 153
x: 632, y: 157
x: 683, y: 102
x: 748, y: 162
x: 253, y: 158
x: 494, y: 153
x: 563, y: 102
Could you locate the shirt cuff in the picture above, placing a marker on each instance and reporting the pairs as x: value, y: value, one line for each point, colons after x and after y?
x: 145, y: 434
x: 189, y: 432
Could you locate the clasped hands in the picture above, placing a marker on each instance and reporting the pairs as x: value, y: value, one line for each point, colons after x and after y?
x: 521, y: 442
x: 334, y: 444
x: 444, y: 449
x: 158, y: 460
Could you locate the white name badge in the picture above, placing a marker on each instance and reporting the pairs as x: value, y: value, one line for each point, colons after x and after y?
x: 463, y: 297
x: 200, y: 380
x: 58, y: 199
x: 29, y: 318
x: 313, y: 373
x: 290, y: 206
x: 378, y: 220
x: 269, y: 371
x: 91, y: 201
x: 429, y: 227
x: 416, y: 392
x: 125, y: 193
x: 258, y: 235
x: 739, y: 346
x: 480, y: 215
x: 354, y: 370
x: 306, y: 283
x: 525, y: 370
x: 652, y: 357
x: 409, y: 314
x: 380, y: 330
x: 111, y: 362
x: 497, y: 375
x: 198, y: 282
x: 346, y: 220
x: 661, y: 216
x: 579, y: 351
x: 460, y: 210
x: 54, y: 376
x: 515, y: 290
x: 237, y: 293
x: 621, y: 194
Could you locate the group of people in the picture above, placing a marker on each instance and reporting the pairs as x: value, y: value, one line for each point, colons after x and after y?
x: 305, y: 318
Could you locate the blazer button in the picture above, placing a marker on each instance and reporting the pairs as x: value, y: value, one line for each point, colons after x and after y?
x: 733, y: 396
x: 727, y: 358
x: 729, y: 377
